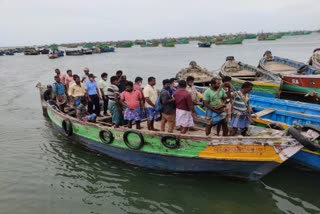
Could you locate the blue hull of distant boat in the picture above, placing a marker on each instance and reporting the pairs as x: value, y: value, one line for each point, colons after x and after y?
x: 307, y: 158
x: 107, y: 50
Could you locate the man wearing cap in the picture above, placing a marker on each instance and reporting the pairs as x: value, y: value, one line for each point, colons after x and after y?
x: 86, y: 74
x: 93, y: 95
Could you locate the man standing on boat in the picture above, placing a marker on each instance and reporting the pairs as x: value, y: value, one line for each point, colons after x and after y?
x: 191, y: 89
x: 114, y: 104
x: 76, y: 90
x: 85, y: 77
x: 61, y: 76
x: 168, y: 111
x: 241, y: 111
x: 104, y: 90
x: 151, y: 95
x: 68, y: 79
x: 134, y: 105
x: 59, y: 93
x: 93, y: 95
x: 184, y: 108
x: 214, y: 98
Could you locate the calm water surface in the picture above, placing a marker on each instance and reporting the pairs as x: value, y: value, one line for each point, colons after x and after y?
x: 42, y: 172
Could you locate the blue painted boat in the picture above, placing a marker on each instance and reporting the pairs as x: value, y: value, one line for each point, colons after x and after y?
x: 107, y: 50
x: 204, y: 44
x: 278, y: 110
x: 307, y: 158
x: 9, y: 53
x: 1, y: 53
x: 282, y: 66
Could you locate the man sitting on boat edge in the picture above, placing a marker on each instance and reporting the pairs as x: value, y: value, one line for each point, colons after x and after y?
x: 82, y: 113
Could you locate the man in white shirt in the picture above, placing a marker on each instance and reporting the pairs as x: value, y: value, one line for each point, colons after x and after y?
x: 150, y: 94
x: 103, y: 86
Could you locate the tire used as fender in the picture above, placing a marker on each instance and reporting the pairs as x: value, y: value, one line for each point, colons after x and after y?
x: 165, y: 138
x: 127, y: 142
x: 295, y: 133
x: 109, y: 139
x: 67, y: 127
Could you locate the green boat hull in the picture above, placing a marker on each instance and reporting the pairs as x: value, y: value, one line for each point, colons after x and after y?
x: 230, y: 41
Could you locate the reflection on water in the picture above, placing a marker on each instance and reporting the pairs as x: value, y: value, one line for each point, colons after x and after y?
x: 42, y: 172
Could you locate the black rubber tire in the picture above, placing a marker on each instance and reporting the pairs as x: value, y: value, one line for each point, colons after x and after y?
x: 165, y: 138
x: 126, y: 141
x: 103, y: 139
x: 295, y: 133
x: 310, y: 126
x: 67, y: 127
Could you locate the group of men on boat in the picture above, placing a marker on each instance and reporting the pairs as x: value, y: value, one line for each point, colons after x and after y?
x: 174, y: 105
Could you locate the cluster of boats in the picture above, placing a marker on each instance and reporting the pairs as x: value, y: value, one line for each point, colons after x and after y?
x: 283, y: 130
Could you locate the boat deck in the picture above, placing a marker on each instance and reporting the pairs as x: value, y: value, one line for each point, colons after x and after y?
x: 279, y: 68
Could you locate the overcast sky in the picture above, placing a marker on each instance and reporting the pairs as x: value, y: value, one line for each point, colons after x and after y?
x: 36, y: 22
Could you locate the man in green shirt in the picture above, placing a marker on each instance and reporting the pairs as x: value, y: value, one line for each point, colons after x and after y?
x: 214, y: 98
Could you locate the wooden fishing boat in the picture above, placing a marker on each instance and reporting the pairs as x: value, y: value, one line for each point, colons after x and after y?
x: 250, y: 36
x: 124, y: 44
x: 204, y: 44
x: 229, y: 41
x: 168, y: 44
x: 202, y: 76
x: 242, y: 157
x: 296, y: 76
x: 265, y: 83
x: 107, y: 49
x: 74, y: 52
x: 182, y: 41
x: 270, y: 117
x: 267, y: 37
x: 56, y: 54
x: 149, y: 44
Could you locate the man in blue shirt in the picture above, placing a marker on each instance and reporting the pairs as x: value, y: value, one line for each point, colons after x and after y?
x: 93, y: 95
x: 58, y: 89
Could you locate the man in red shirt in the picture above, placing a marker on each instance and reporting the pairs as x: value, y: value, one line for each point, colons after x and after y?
x: 134, y: 106
x: 185, y: 110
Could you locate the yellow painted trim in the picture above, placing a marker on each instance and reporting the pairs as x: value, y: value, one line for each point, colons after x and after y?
x: 258, y: 83
x: 241, y: 153
x: 315, y: 153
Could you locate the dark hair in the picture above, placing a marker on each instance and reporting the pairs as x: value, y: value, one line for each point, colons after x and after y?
x: 113, y: 78
x: 214, y: 80
x: 165, y: 81
x: 104, y: 74
x: 151, y: 79
x: 138, y: 79
x: 190, y: 78
x: 129, y: 83
x: 57, y: 69
x: 57, y: 76
x: 172, y: 80
x: 246, y: 85
x: 69, y: 71
x: 119, y: 72
x: 75, y: 76
x: 226, y: 79
x: 182, y: 84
